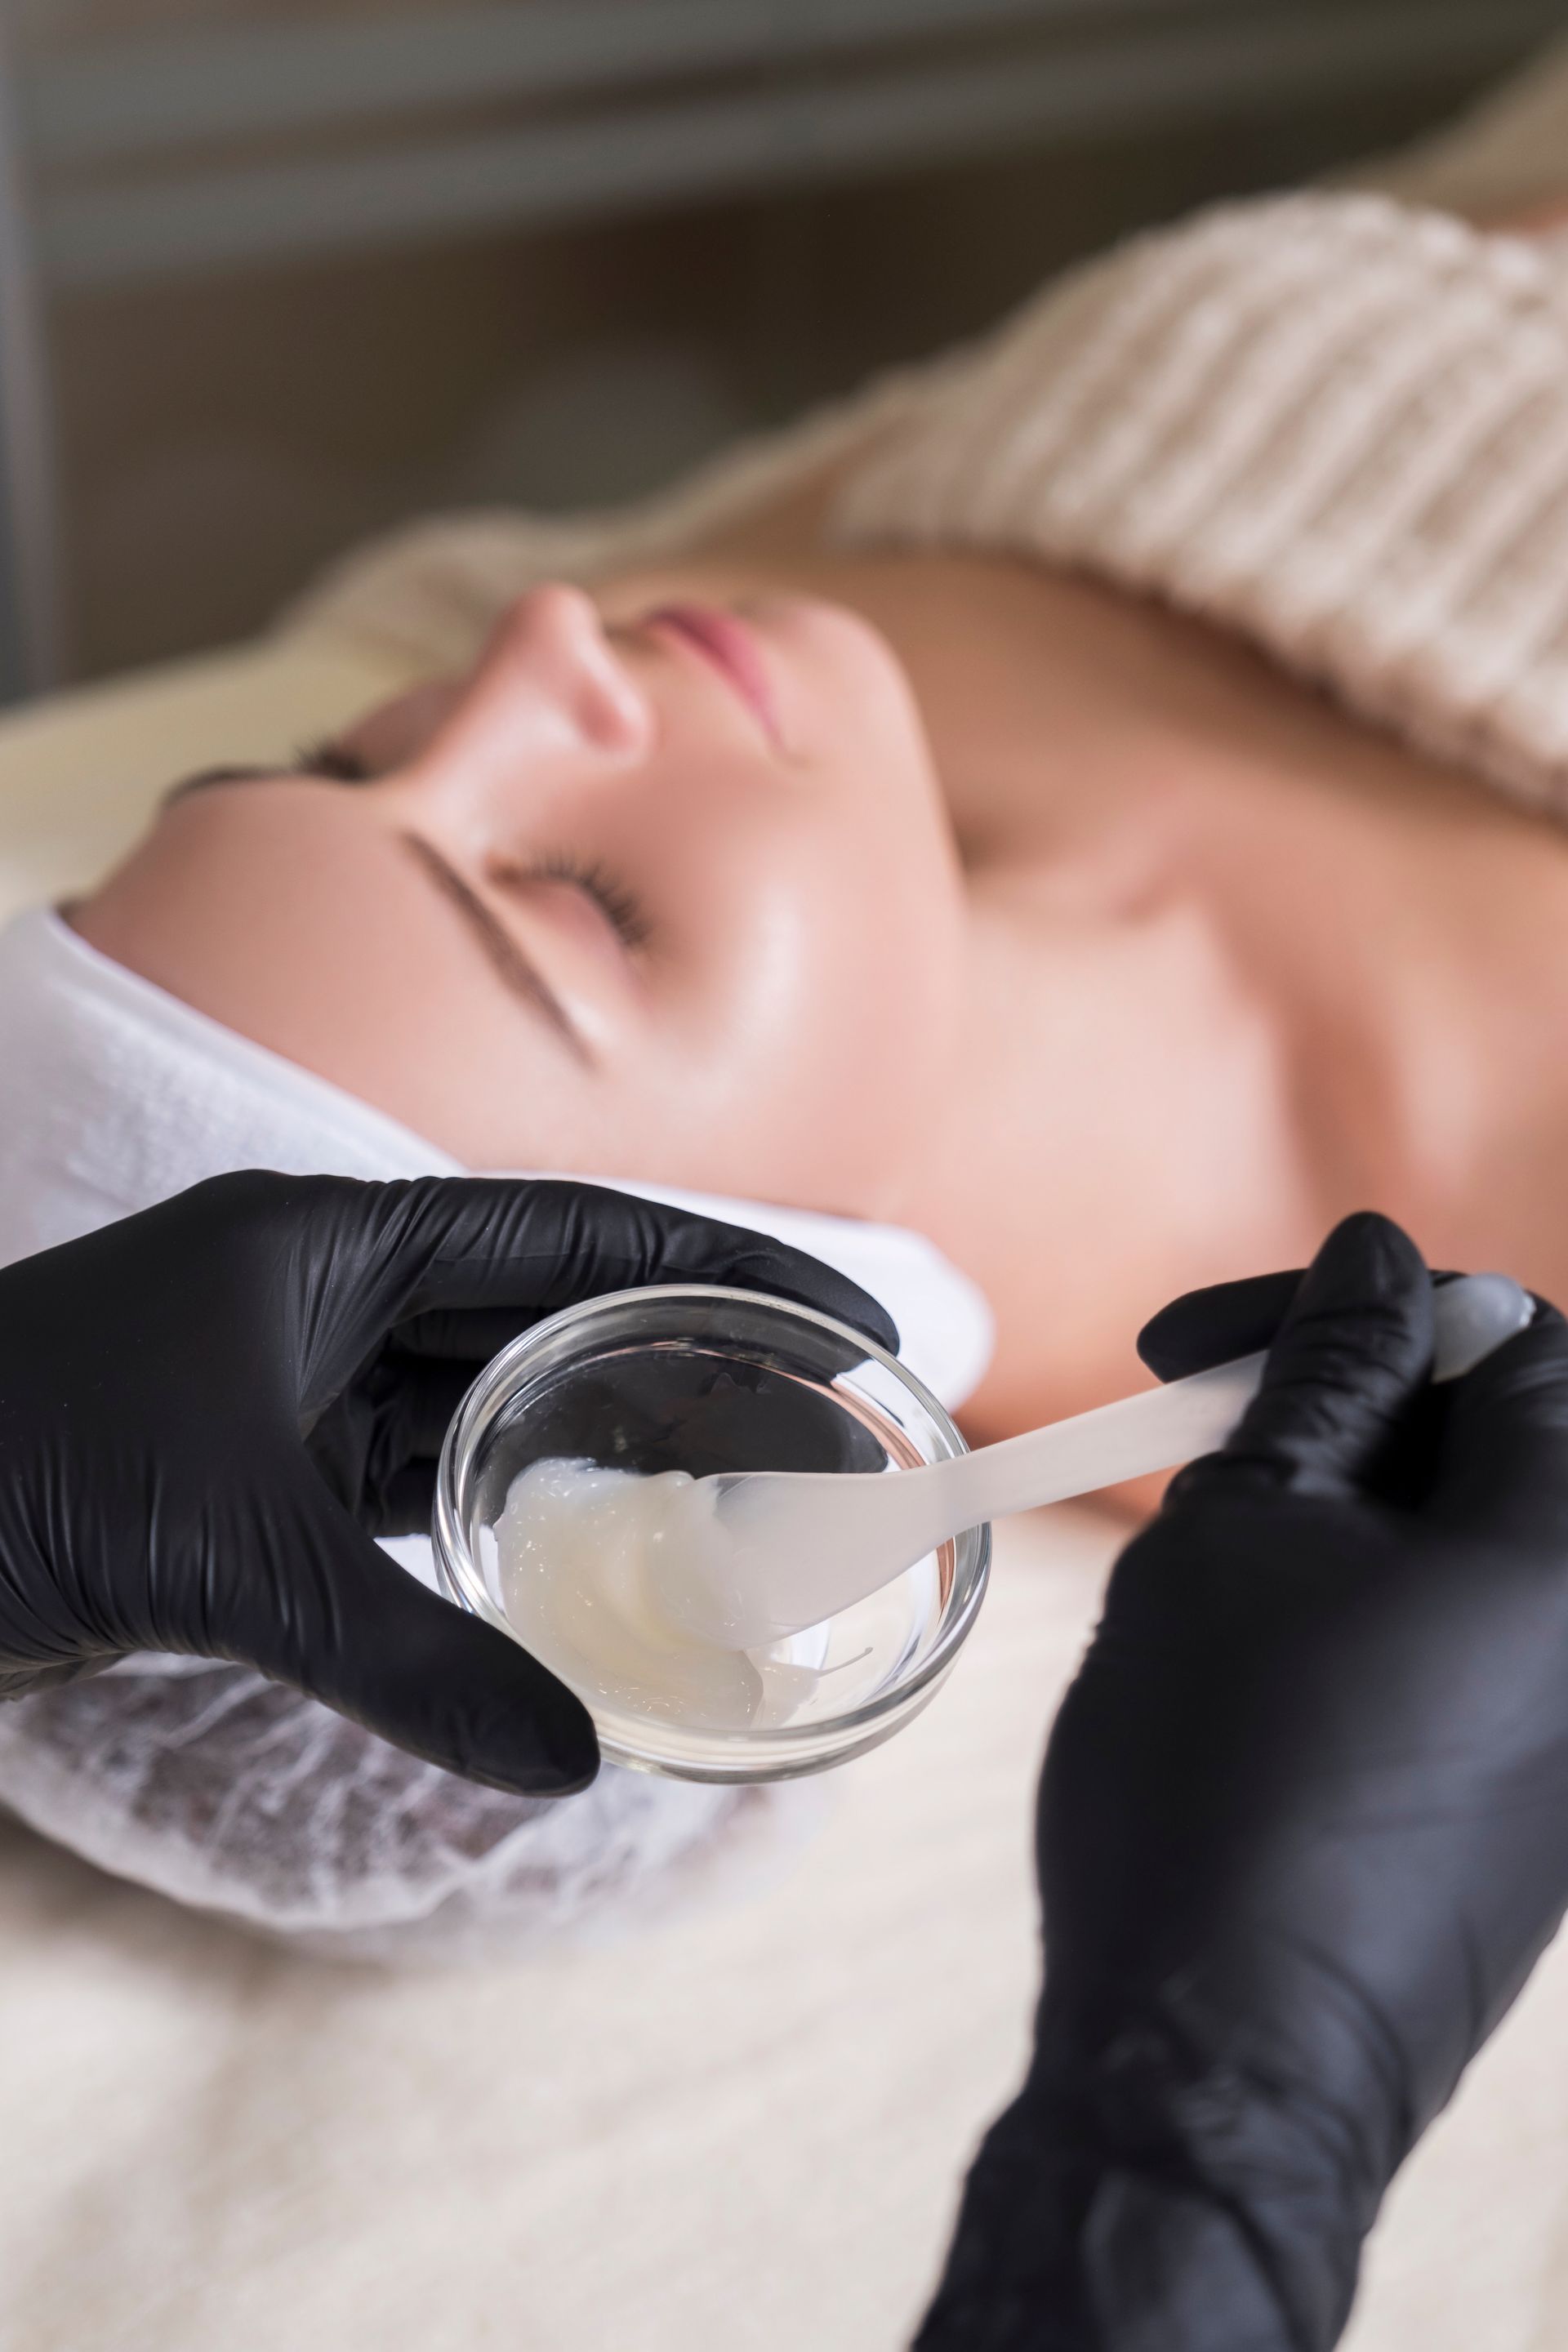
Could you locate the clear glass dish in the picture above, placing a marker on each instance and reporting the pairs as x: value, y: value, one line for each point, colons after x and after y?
x: 689, y: 1377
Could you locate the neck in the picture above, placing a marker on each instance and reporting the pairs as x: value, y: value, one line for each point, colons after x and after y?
x: 1120, y: 1127
x: 1271, y: 989
x: 1412, y: 935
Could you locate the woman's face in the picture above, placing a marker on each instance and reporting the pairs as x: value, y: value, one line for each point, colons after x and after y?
x: 673, y: 898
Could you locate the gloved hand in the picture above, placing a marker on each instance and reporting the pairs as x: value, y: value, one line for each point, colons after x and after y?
x: 1302, y: 1834
x: 206, y: 1411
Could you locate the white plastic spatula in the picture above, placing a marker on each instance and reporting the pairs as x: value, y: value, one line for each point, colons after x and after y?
x: 768, y: 1553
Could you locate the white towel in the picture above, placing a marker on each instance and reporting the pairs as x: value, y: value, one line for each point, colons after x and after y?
x: 116, y: 1096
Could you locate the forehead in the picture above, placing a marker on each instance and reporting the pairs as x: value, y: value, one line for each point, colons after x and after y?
x: 223, y: 811
x: 288, y: 914
x: 268, y: 875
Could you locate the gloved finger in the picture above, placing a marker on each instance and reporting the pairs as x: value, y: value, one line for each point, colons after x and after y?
x: 1353, y: 1356
x: 1204, y: 1328
x: 1216, y: 1326
x: 415, y: 1399
x: 446, y: 1246
x: 329, y: 1614
x: 399, y: 1410
x: 1504, y: 1461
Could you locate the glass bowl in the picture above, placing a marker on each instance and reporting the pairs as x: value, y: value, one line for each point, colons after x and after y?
x: 701, y: 1380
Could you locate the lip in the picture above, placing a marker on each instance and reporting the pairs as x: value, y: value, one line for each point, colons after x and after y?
x: 729, y: 645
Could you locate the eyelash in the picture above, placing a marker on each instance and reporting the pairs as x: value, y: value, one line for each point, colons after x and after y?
x: 328, y: 759
x: 623, y: 911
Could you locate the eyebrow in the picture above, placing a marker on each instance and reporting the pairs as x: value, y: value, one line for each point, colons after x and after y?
x: 506, y: 958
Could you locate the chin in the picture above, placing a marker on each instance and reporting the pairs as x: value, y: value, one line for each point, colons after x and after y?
x: 839, y: 645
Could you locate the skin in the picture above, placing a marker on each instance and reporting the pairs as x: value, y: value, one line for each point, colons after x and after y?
x: 1039, y: 918
x: 766, y: 866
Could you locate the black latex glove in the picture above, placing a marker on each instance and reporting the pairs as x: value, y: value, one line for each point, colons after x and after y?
x: 1303, y: 1833
x: 206, y: 1411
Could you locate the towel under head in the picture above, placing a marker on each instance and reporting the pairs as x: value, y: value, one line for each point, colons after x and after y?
x: 118, y: 1096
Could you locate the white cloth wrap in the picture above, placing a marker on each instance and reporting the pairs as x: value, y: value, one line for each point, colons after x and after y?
x: 208, y: 1782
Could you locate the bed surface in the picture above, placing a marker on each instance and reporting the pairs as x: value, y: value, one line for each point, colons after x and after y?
x: 742, y: 2133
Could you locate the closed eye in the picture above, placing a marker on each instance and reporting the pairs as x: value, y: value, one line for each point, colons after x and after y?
x: 334, y: 762
x: 621, y: 908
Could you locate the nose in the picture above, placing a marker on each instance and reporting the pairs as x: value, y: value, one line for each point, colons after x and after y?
x: 554, y: 639
x: 549, y: 700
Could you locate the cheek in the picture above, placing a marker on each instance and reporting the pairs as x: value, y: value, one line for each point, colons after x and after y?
x: 886, y: 989
x: 829, y: 1017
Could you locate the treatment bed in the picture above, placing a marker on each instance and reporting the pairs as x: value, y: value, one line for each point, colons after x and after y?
x: 741, y: 2131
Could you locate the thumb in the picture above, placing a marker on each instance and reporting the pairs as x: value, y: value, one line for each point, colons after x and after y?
x: 1353, y: 1351
x: 322, y: 1608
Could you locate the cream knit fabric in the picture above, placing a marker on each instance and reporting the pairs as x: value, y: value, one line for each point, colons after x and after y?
x: 1334, y: 423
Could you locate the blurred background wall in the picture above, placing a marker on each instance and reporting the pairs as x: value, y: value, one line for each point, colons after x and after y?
x: 253, y: 355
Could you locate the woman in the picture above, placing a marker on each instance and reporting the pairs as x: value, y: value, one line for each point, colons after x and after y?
x: 980, y: 893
